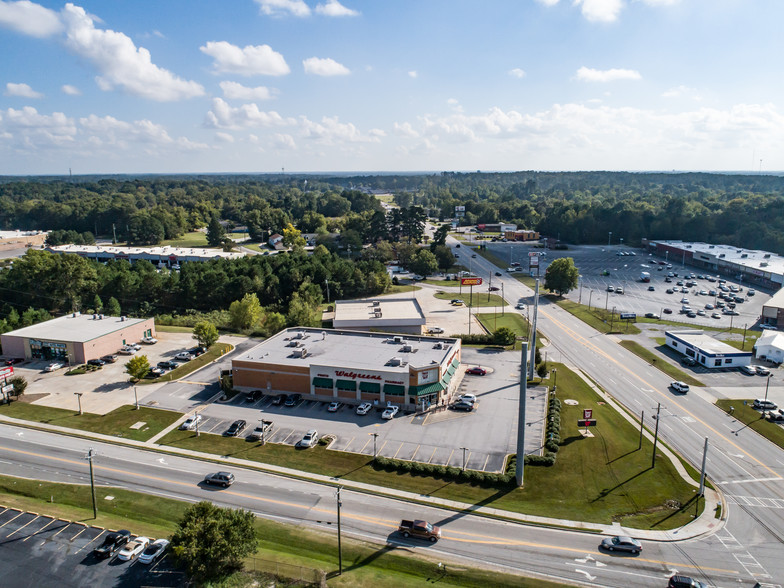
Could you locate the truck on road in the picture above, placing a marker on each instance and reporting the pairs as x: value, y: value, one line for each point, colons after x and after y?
x: 421, y: 529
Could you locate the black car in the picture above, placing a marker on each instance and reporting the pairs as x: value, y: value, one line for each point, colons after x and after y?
x: 98, y: 362
x: 236, y: 428
x: 112, y: 544
x: 168, y: 365
x: 292, y: 399
x: 197, y: 351
x: 684, y: 582
x: 498, y: 274
x: 688, y: 361
x: 254, y: 396
x: 463, y: 405
x: 278, y: 400
x: 224, y: 479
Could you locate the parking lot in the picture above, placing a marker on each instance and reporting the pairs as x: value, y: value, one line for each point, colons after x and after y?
x: 434, y: 437
x: 42, y: 551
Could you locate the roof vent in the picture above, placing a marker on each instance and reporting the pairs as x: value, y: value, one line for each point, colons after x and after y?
x: 766, y: 256
x: 95, y: 316
x: 397, y: 339
x: 323, y: 335
x: 377, y: 314
x: 407, y: 349
x: 763, y: 264
x: 438, y: 346
x: 376, y: 303
x: 395, y: 361
x: 299, y: 352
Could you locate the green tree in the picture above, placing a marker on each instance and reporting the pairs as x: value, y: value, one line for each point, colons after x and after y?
x: 274, y: 322
x: 561, y: 276
x: 98, y: 304
x: 215, y: 232
x: 210, y: 542
x: 444, y: 257
x: 113, y: 307
x: 425, y: 263
x: 439, y: 237
x: 206, y: 333
x: 292, y: 237
x: 303, y: 314
x: 541, y: 370
x: 504, y: 336
x: 245, y: 313
x: 20, y: 385
x: 137, y: 367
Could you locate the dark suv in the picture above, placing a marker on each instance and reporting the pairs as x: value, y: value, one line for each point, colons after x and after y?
x: 688, y: 361
x: 684, y: 582
x: 292, y: 399
x: 112, y: 544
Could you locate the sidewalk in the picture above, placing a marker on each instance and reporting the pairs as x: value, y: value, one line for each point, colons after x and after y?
x: 703, y: 525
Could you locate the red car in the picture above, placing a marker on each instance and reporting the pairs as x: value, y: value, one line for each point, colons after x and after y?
x: 494, y: 288
x: 477, y: 371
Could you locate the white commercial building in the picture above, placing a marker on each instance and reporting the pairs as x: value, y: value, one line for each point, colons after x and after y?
x: 394, y: 315
x: 160, y: 256
x: 770, y: 347
x: 708, y: 352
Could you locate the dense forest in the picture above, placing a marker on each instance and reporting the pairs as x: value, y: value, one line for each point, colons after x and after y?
x: 578, y: 207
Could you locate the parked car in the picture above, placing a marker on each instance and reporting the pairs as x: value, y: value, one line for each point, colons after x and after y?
x: 127, y: 351
x: 197, y: 351
x: 651, y: 288
x: 611, y: 288
x: 684, y: 582
x: 777, y: 415
x: 53, y: 367
x: 154, y: 551
x: 435, y: 330
x: 190, y: 423
x: 292, y: 399
x: 470, y: 398
x: 622, y: 543
x: 224, y: 479
x: 457, y: 303
x: 14, y: 360
x: 766, y: 327
x: 477, y: 371
x: 133, y: 548
x: 254, y: 396
x: 149, y: 340
x: 691, y: 314
x: 652, y: 315
x: 309, y: 439
x: 112, y: 543
x: 667, y: 311
x: 715, y: 315
x: 236, y: 428
x: 762, y: 404
x: 334, y: 406
x: 183, y: 356
x: 168, y: 365
x: 278, y: 400
x: 681, y: 387
x: 751, y: 292
x: 462, y: 405
x: 761, y: 370
x: 264, y: 428
x: 686, y: 360
x: 155, y: 372
x: 364, y: 408
x: 109, y: 358
x: 748, y: 370
x: 390, y: 412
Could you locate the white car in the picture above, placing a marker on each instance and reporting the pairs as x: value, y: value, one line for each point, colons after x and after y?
x: 470, y: 398
x: 149, y: 340
x: 748, y: 370
x: 309, y: 439
x: 183, y: 356
x: 127, y: 351
x: 680, y: 387
x: 761, y: 403
x: 390, y: 412
x: 53, y: 367
x: 190, y: 423
x: 133, y: 548
x: 435, y: 330
x: 364, y: 408
x: 520, y: 306
x: 761, y: 370
x: 334, y: 406
x: 154, y: 551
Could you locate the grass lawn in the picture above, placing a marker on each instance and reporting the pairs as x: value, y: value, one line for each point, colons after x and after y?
x: 402, y: 289
x: 155, y: 516
x: 444, y: 283
x: 601, y: 480
x: 528, y: 280
x: 173, y: 329
x: 117, y: 422
x: 510, y: 320
x: 256, y: 247
x: 192, y: 239
x: 191, y: 366
x: 753, y: 419
x: 598, y: 318
x: 656, y: 361
x: 480, y: 299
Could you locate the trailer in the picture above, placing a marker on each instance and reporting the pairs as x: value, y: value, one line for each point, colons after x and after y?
x: 645, y: 277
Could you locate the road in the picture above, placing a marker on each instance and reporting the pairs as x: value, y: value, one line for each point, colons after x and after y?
x: 748, y: 469
x: 467, y: 539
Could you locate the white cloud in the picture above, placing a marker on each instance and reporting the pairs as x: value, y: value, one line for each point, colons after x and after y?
x: 32, y: 130
x: 682, y: 91
x: 283, y: 141
x: 587, y: 74
x: 223, y: 116
x: 235, y: 91
x: 548, y: 2
x: 29, y: 18
x: 331, y: 131
x: 121, y: 63
x: 517, y: 73
x: 224, y: 137
x: 413, y: 74
x: 405, y: 130
x: 284, y: 7
x: 600, y: 10
x: 70, y: 90
x: 21, y: 90
x: 661, y: 2
x: 335, y: 8
x: 324, y: 67
x: 252, y: 60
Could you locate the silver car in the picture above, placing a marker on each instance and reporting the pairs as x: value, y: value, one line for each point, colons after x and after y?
x: 622, y: 543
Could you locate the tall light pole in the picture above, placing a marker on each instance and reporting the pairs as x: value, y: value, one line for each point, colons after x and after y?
x: 326, y: 283
x: 89, y: 458
x: 340, y: 550
x: 375, y: 452
x: 79, y: 398
x: 580, y: 298
x: 520, y: 466
x: 589, y: 299
x: 609, y: 239
x: 464, y: 449
x: 766, y: 386
x: 135, y: 397
x: 655, y: 437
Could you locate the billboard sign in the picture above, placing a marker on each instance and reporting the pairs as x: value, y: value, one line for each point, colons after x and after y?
x: 533, y: 254
x: 470, y: 281
x: 459, y: 210
x: 586, y: 423
x: 6, y: 372
x: 587, y: 413
x: 533, y: 262
x: 628, y: 316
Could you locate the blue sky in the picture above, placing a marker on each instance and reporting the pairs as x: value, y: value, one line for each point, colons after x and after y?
x: 198, y: 86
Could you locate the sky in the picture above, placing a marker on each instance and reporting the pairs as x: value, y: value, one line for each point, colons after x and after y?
x: 258, y: 86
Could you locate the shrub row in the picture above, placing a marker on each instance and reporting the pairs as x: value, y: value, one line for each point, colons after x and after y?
x: 553, y: 429
x: 446, y: 473
x: 478, y: 339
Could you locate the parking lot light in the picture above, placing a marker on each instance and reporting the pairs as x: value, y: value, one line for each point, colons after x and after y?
x: 767, y: 384
x: 555, y: 377
x: 464, y: 449
x: 79, y: 398
x: 136, y: 397
x: 375, y: 436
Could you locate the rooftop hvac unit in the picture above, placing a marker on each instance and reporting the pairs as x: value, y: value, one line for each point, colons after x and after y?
x: 766, y: 256
x: 300, y: 352
x: 438, y: 346
x: 397, y: 339
x: 407, y: 348
x: 744, y: 255
x: 377, y: 314
x: 95, y: 316
x: 376, y: 303
x: 323, y: 335
x: 763, y: 264
x: 395, y: 361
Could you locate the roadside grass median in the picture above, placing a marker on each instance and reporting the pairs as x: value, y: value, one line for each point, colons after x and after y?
x: 116, y: 423
x: 496, y: 260
x: 364, y: 563
x: 602, y: 320
x: 660, y: 362
x: 603, y: 479
x: 754, y: 419
x: 480, y: 299
x: 514, y: 321
x: 444, y: 283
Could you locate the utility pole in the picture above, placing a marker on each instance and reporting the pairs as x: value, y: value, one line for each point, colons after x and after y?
x: 340, y: 550
x: 655, y: 437
x: 136, y: 397
x: 79, y: 398
x: 89, y: 458
x: 503, y: 300
x: 375, y: 453
x: 642, y: 420
x: 702, y: 475
x: 532, y: 338
x: 326, y: 282
x: 464, y: 449
x: 519, y: 469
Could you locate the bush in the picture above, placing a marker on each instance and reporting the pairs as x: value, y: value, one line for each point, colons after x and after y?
x: 477, y: 339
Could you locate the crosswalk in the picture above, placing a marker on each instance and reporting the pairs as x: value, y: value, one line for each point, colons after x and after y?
x: 755, y: 501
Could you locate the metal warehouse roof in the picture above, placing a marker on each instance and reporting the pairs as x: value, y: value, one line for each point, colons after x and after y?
x: 79, y: 328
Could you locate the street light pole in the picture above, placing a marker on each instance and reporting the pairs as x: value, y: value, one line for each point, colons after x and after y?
x: 79, y: 398
x: 590, y: 295
x: 655, y: 437
x: 767, y: 384
x: 464, y: 456
x: 136, y: 397
x: 375, y: 453
x: 89, y: 458
x: 580, y: 298
x: 340, y: 550
x: 609, y: 239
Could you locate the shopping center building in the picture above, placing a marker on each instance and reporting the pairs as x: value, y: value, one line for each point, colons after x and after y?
x: 352, y: 366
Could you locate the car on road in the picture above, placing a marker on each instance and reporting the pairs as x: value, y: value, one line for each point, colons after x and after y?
x: 133, y: 548
x: 292, y: 400
x: 168, y: 365
x: 236, y: 428
x: 390, y: 412
x: 309, y: 439
x: 611, y: 288
x: 190, y: 423
x: 476, y: 371
x: 457, y: 303
x: 435, y: 330
x: 652, y: 315
x: 473, y: 255
x: 762, y: 404
x: 686, y: 360
x: 183, y: 356
x: 715, y: 315
x: 109, y: 358
x: 748, y: 370
x: 112, y: 543
x: 364, y: 408
x: 462, y: 405
x: 681, y: 387
x: 761, y: 370
x: 651, y: 288
x: 224, y: 479
x: 520, y: 306
x: 154, y: 551
x: 667, y: 311
x: 493, y: 289
x: 334, y: 406
x: 498, y: 274
x: 53, y: 367
x: 684, y: 582
x: 622, y: 543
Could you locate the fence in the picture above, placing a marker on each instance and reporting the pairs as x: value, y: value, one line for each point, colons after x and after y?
x: 281, y: 570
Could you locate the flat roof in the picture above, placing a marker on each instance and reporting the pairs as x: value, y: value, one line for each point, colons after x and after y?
x: 384, y: 311
x: 777, y: 300
x: 751, y: 259
x: 18, y: 233
x: 350, y: 349
x: 163, y: 251
x: 705, y: 343
x: 78, y: 329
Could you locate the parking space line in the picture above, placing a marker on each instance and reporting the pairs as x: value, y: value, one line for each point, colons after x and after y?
x: 398, y: 451
x: 365, y: 445
x: 413, y: 455
x: 13, y: 519
x: 90, y: 541
x: 79, y: 533
x: 67, y: 524
x: 23, y: 526
x: 449, y: 459
x: 484, y: 467
x: 430, y: 459
x: 39, y: 530
x: 349, y: 444
x: 286, y: 438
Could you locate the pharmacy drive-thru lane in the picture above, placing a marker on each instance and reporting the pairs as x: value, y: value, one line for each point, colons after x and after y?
x: 745, y: 467
x: 467, y: 539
